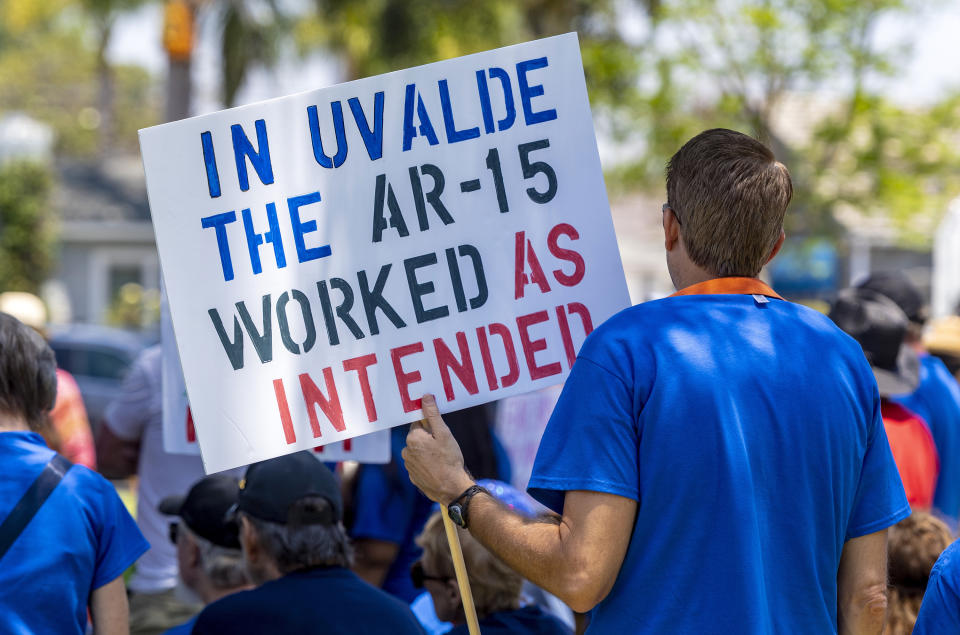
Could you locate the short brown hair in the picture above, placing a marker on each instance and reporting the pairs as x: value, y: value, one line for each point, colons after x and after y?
x: 28, y: 373
x: 730, y: 195
x: 915, y: 544
x: 496, y: 587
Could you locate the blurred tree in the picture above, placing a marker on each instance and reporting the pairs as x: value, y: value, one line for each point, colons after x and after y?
x: 744, y: 64
x: 377, y: 36
x: 27, y: 228
x: 48, y: 68
x: 103, y: 14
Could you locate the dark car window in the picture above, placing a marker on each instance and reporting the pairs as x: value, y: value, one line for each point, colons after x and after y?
x: 91, y: 362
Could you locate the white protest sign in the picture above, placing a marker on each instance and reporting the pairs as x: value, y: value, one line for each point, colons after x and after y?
x: 179, y: 431
x: 331, y: 256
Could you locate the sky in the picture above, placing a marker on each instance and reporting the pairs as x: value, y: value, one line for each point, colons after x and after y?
x: 928, y: 75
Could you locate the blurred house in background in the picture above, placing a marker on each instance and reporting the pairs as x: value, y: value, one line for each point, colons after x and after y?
x: 107, y: 241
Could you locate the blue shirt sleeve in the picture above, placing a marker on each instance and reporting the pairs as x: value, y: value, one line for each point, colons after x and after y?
x: 119, y: 541
x: 879, y: 501
x: 940, y: 611
x: 591, y: 441
x: 383, y: 502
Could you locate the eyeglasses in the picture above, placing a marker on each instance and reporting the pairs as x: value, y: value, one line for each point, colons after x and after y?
x: 418, y: 576
x: 174, y: 532
x: 667, y: 206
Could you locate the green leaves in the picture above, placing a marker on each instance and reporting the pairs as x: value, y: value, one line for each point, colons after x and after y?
x: 27, y: 229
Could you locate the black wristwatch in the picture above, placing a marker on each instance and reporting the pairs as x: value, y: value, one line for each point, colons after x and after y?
x: 460, y: 507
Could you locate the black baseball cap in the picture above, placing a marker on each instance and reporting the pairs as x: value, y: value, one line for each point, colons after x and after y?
x: 898, y: 287
x: 271, y: 487
x: 880, y: 326
x: 205, y: 509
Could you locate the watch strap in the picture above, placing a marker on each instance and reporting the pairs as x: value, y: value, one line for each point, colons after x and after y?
x: 463, y: 502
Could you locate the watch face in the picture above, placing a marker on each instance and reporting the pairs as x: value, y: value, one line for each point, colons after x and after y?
x: 455, y: 514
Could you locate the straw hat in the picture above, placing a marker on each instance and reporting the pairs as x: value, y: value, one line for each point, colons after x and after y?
x: 943, y: 336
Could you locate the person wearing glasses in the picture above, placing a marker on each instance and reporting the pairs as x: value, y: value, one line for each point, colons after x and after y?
x: 207, y: 540
x: 717, y: 461
x: 498, y: 591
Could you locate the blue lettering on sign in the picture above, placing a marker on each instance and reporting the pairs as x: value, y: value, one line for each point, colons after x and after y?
x: 337, y: 110
x: 425, y: 128
x: 453, y: 135
x: 219, y: 223
x: 210, y: 160
x: 254, y: 239
x: 259, y: 158
x: 301, y: 228
x: 527, y: 92
x: 372, y: 139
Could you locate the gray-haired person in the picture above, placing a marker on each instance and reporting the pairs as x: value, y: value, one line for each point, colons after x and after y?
x: 296, y: 550
x: 207, y: 540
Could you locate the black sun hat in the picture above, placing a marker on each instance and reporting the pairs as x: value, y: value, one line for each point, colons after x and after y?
x: 205, y: 509
x: 880, y: 326
x: 271, y: 487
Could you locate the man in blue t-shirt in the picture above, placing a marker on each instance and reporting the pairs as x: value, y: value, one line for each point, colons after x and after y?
x: 937, y: 398
x: 717, y: 460
x: 940, y: 611
x: 69, y: 558
x: 297, y: 551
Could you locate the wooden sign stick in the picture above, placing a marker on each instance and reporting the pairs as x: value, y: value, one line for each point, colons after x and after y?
x: 460, y: 567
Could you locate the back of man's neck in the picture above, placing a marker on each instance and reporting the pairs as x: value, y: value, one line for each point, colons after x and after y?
x: 9, y: 423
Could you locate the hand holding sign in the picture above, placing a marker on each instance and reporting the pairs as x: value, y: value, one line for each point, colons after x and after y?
x: 433, y: 458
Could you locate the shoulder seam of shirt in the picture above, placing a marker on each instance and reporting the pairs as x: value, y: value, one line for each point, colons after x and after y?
x: 606, y: 370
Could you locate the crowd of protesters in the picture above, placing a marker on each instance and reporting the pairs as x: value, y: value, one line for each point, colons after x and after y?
x: 719, y: 461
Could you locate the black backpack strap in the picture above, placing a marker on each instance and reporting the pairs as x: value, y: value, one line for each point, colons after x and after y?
x: 31, y: 501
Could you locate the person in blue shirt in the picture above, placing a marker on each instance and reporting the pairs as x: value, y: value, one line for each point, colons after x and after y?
x: 296, y: 550
x: 937, y: 398
x: 940, y: 610
x: 70, y: 557
x: 716, y: 462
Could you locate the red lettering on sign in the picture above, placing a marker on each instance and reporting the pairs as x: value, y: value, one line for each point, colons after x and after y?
x: 513, y: 374
x: 579, y: 267
x: 531, y: 347
x: 347, y: 446
x: 584, y: 313
x: 191, y: 431
x: 462, y: 368
x: 313, y: 397
x: 404, y: 379
x: 565, y: 336
x: 486, y: 358
x: 524, y: 254
x: 360, y: 364
x: 285, y: 421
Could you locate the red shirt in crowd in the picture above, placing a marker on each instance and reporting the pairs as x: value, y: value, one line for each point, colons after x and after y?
x: 913, y: 451
x: 71, y: 429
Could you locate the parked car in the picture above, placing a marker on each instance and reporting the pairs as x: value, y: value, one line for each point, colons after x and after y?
x: 98, y: 358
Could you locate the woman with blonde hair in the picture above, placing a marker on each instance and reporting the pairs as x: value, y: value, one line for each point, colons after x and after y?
x: 496, y: 587
x: 915, y: 544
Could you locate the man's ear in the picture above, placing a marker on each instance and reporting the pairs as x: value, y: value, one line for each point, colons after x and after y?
x: 776, y: 247
x: 671, y: 229
x: 249, y: 539
x: 193, y: 551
